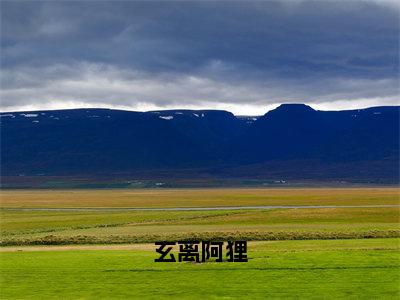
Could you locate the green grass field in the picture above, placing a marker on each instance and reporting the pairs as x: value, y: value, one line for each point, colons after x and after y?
x: 81, y: 227
x: 55, y: 227
x: 331, y: 253
x: 198, y: 197
x: 331, y: 269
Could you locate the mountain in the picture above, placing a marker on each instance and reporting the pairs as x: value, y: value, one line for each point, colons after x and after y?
x: 296, y: 131
x: 291, y: 141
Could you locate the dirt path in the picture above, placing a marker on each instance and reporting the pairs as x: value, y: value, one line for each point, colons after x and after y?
x: 77, y: 247
x: 193, y: 208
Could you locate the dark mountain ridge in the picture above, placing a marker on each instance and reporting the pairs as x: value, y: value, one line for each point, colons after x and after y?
x: 286, y: 142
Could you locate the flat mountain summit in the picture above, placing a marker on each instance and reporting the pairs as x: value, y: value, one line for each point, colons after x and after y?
x: 291, y: 141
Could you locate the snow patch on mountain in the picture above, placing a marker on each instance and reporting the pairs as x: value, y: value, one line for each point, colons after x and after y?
x: 166, y: 117
x: 29, y: 115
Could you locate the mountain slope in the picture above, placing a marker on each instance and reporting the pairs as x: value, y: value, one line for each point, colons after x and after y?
x: 296, y: 131
x: 293, y: 140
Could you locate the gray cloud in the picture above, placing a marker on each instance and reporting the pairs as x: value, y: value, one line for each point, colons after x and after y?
x: 243, y: 56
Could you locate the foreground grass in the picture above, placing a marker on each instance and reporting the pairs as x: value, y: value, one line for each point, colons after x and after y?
x: 335, y: 269
x: 56, y: 227
x: 199, y: 197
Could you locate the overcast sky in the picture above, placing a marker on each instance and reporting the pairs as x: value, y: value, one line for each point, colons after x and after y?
x: 245, y: 57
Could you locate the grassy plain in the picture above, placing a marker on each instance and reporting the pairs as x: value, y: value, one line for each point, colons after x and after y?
x: 19, y: 227
x: 198, y: 197
x: 330, y: 269
x: 82, y: 227
x: 335, y: 253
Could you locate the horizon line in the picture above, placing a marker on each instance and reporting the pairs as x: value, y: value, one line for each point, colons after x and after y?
x: 188, y: 109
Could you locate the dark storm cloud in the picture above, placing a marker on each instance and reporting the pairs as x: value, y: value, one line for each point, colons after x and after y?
x: 198, y: 53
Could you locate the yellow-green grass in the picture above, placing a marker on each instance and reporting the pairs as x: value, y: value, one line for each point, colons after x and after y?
x: 80, y: 227
x: 332, y: 269
x: 361, y: 260
x: 199, y: 197
x: 20, y: 227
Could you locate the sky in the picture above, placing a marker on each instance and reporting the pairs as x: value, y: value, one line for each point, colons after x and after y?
x: 246, y: 57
